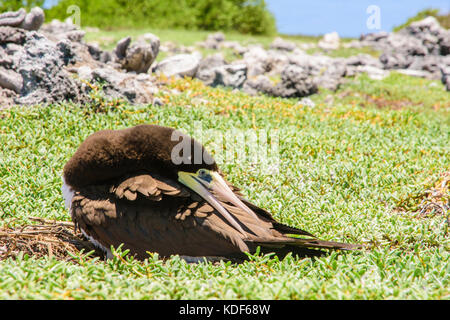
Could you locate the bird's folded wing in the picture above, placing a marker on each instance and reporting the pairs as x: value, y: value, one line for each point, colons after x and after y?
x: 151, y: 187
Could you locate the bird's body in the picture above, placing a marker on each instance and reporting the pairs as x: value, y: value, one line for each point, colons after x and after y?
x: 123, y: 187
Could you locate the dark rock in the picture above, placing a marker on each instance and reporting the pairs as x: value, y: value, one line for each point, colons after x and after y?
x: 42, y: 69
x: 121, y: 47
x: 429, y: 33
x: 374, y: 37
x: 445, y: 71
x: 295, y: 83
x: 430, y: 64
x: 98, y: 54
x: 137, y: 57
x: 232, y: 76
x: 395, y: 60
x: 12, y: 35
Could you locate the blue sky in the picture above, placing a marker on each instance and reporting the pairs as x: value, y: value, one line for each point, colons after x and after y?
x: 347, y: 17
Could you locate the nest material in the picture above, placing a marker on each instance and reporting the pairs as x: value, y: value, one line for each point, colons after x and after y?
x: 49, y: 238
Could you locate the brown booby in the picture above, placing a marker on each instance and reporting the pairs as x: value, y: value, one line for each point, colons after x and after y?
x: 126, y: 187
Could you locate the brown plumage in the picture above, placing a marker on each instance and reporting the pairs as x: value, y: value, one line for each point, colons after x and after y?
x: 127, y: 190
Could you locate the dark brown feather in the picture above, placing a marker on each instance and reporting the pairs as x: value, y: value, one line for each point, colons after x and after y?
x: 167, y: 220
x: 109, y: 154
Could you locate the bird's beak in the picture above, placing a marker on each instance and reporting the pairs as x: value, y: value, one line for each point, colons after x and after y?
x: 216, y: 185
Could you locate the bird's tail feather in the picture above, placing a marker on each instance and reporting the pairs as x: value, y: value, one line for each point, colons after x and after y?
x: 307, y: 243
x: 300, y: 247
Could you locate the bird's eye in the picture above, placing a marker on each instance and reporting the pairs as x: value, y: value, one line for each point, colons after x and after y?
x: 204, y: 175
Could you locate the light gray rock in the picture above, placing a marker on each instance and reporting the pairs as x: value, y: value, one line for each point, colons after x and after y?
x: 58, y: 30
x: 212, y: 61
x: 330, y: 41
x: 85, y: 73
x: 416, y: 73
x: 256, y: 59
x: 205, y: 71
x: 13, y: 18
x: 281, y: 44
x: 157, y: 102
x: 363, y: 60
x: 421, y: 47
x: 154, y: 42
x: 179, y: 65
x: 113, y: 83
x: 213, y: 41
x: 34, y: 19
x: 373, y: 72
x: 307, y: 102
x: 275, y: 62
x: 258, y: 84
x: 20, y: 19
x: 235, y: 46
x: 12, y: 35
x: 11, y: 80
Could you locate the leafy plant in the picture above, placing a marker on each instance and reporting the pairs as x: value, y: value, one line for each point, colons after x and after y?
x: 246, y: 16
x: 443, y: 19
x: 13, y: 5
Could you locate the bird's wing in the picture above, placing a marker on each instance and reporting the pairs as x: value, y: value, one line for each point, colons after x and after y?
x: 151, y: 187
x: 152, y: 214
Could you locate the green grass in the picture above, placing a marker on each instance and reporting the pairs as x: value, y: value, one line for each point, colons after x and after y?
x: 346, y: 164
